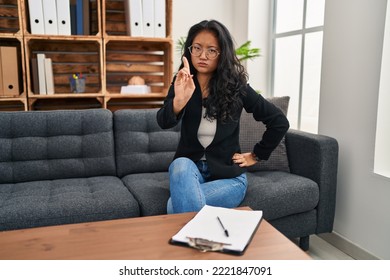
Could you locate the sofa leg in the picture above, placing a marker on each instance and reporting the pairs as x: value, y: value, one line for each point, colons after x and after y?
x: 304, y: 243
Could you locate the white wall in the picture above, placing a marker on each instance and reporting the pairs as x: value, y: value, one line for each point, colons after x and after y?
x: 187, y: 13
x: 259, y: 32
x: 235, y: 15
x: 353, y: 40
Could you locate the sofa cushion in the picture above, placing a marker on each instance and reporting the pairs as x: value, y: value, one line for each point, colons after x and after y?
x: 280, y: 194
x: 141, y: 145
x: 43, y: 203
x: 151, y: 190
x: 48, y: 145
x: 251, y: 132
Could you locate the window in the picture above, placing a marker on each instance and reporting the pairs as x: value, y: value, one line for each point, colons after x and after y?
x: 382, y: 148
x: 297, y: 52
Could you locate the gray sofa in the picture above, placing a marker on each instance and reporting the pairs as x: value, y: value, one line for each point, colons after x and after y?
x: 59, y: 167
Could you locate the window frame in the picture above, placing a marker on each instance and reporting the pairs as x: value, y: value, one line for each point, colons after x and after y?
x: 303, y: 32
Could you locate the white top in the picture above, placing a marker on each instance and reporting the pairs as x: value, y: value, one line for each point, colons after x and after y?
x: 207, y: 129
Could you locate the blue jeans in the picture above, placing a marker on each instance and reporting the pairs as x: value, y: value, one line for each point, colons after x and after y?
x: 191, y: 188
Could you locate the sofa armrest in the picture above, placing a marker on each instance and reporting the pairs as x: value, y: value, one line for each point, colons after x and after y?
x: 316, y: 157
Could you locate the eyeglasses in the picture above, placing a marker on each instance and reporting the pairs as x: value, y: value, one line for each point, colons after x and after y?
x: 196, y: 50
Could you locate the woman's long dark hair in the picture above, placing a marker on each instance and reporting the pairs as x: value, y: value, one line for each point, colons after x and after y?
x: 230, y: 78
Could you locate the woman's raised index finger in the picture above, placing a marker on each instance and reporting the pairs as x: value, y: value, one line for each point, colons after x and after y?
x: 186, y: 64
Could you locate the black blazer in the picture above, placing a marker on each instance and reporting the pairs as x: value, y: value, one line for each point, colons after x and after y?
x: 226, y: 140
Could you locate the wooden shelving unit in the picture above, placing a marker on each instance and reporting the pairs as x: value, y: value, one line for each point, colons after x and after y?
x: 107, y: 58
x: 126, y: 57
x: 11, y: 34
x: 78, y: 55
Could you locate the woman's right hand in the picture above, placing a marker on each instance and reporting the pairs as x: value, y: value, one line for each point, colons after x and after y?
x: 184, y: 87
x: 244, y: 159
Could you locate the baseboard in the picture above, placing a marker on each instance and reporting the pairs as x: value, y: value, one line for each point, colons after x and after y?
x: 347, y: 246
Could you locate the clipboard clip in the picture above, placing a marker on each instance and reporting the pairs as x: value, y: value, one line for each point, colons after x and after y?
x: 205, y: 245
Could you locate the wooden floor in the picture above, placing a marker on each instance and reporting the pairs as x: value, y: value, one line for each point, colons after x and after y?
x: 322, y: 250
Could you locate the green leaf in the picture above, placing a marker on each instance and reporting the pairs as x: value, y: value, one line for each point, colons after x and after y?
x: 245, y: 51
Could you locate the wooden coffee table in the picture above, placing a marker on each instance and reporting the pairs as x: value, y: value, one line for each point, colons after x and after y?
x: 143, y: 238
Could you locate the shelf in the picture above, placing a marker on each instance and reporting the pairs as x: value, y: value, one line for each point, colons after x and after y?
x: 94, y: 22
x: 68, y: 57
x: 13, y: 104
x: 77, y: 102
x: 67, y: 95
x: 117, y: 103
x: 150, y: 58
x: 114, y: 19
x: 124, y: 59
x: 106, y: 57
x: 137, y: 95
x: 10, y: 20
x: 138, y: 39
x: 21, y: 98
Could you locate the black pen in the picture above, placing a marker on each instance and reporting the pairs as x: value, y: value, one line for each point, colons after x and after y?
x: 224, y: 229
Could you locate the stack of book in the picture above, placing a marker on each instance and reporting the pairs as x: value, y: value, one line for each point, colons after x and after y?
x: 42, y: 74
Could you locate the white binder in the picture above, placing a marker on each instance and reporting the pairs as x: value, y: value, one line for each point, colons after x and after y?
x: 148, y: 17
x: 41, y: 73
x: 50, y: 17
x: 134, y: 25
x: 36, y: 17
x: 159, y: 19
x: 63, y: 17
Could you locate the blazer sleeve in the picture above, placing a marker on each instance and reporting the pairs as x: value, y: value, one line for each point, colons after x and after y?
x: 166, y: 117
x: 273, y: 118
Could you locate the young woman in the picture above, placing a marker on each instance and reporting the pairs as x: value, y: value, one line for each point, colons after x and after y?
x: 207, y: 95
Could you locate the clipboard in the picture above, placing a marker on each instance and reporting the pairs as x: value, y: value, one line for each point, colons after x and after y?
x: 205, y: 233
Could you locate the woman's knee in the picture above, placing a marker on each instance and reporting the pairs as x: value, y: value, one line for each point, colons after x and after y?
x: 181, y: 164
